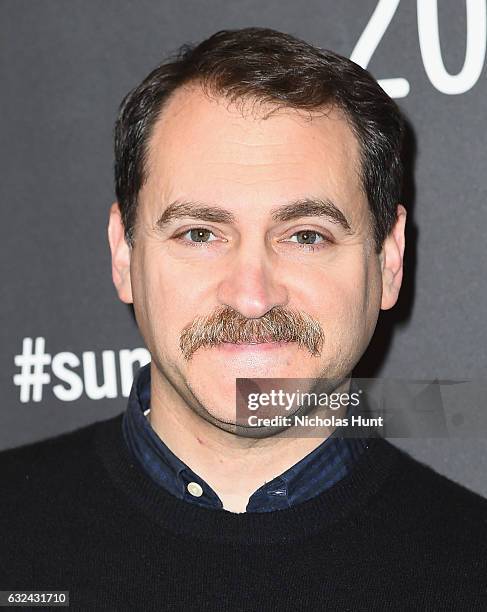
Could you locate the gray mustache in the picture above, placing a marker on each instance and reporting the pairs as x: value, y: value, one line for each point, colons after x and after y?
x: 228, y: 325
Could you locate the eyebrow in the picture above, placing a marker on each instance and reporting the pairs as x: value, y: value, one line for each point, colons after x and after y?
x: 306, y: 207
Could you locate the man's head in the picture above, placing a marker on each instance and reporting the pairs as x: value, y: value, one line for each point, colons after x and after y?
x: 257, y: 180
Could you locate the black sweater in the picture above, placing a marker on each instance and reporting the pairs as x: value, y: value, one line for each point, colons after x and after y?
x: 78, y: 514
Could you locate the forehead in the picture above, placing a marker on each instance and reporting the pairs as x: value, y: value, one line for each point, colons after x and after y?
x: 216, y: 151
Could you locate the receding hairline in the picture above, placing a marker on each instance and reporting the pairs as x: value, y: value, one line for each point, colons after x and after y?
x: 261, y: 109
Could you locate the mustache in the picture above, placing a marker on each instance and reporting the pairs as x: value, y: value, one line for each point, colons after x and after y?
x: 228, y: 325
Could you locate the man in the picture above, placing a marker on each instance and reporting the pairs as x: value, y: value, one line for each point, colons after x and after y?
x: 257, y: 233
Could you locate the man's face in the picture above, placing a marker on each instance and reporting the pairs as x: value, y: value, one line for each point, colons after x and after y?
x: 249, y: 258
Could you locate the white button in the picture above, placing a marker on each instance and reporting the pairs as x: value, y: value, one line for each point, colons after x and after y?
x: 195, y: 489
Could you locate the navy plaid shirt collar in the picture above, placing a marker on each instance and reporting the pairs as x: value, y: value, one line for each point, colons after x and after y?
x: 331, y: 461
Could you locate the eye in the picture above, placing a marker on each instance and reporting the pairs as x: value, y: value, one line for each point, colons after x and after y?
x: 197, y: 234
x: 308, y: 237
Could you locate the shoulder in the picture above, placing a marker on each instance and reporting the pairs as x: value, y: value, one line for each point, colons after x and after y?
x: 33, y: 469
x: 51, y: 492
x: 68, y: 443
x: 436, y: 489
x: 424, y: 504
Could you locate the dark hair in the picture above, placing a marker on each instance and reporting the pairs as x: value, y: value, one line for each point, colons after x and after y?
x: 268, y: 66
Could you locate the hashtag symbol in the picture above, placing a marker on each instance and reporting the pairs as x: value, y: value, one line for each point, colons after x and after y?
x: 32, y: 375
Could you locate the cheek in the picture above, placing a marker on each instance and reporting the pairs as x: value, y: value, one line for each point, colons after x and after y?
x: 152, y: 304
x: 172, y: 299
x: 345, y: 313
x: 343, y: 309
x: 343, y: 296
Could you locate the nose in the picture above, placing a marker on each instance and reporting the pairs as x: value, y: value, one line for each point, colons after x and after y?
x: 251, y: 284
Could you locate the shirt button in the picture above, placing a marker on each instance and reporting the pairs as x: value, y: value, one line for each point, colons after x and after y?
x: 195, y: 489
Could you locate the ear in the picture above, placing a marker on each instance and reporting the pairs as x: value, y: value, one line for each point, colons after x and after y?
x: 121, y: 253
x: 391, y: 258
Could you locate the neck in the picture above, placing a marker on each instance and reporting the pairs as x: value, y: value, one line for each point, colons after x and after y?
x: 218, y: 456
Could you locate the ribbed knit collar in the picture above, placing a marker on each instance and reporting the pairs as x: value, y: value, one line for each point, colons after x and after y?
x: 292, y: 524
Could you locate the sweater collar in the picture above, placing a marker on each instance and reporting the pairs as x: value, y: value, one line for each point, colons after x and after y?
x: 326, y: 511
